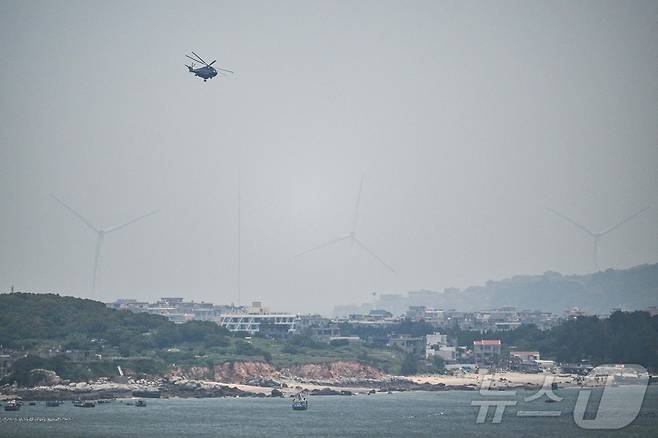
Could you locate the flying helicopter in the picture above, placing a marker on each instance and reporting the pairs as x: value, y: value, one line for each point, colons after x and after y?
x: 207, y: 71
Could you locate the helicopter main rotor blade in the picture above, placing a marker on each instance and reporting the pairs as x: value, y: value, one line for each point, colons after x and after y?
x: 200, y: 58
x: 195, y: 60
x: 212, y: 63
x: 223, y: 69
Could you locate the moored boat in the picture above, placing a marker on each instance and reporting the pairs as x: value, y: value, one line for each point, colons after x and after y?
x: 140, y: 403
x: 299, y: 403
x: 84, y: 403
x: 12, y: 405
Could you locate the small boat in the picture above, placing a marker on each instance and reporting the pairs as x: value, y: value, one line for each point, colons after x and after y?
x: 32, y: 403
x: 140, y: 403
x: 299, y: 403
x: 53, y: 403
x: 84, y: 404
x: 12, y: 405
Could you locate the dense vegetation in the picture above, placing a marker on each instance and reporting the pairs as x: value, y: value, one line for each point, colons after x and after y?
x: 624, y: 337
x: 53, y: 329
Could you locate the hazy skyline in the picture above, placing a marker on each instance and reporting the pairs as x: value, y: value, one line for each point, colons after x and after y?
x: 468, y: 120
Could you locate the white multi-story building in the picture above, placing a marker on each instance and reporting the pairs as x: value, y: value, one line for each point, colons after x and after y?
x: 257, y: 318
x: 253, y: 322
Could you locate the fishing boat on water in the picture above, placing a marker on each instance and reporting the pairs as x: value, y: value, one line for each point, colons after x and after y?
x: 13, y: 405
x: 140, y: 403
x: 84, y: 404
x: 53, y: 403
x: 299, y: 403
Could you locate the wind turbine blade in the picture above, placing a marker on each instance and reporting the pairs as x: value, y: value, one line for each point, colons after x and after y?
x: 572, y: 222
x: 356, y: 209
x: 125, y: 224
x: 200, y: 58
x: 365, y: 248
x: 331, y: 242
x: 614, y: 227
x: 75, y: 213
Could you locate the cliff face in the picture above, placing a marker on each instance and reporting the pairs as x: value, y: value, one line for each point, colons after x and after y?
x: 334, y: 370
x: 236, y: 372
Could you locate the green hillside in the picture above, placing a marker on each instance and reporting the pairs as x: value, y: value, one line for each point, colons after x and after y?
x: 57, y: 330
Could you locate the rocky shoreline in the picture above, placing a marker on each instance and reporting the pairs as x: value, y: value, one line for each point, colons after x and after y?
x: 259, y: 379
x: 184, y: 388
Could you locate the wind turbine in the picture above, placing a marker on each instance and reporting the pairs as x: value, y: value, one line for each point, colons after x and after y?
x: 100, y: 236
x: 351, y: 236
x: 597, y: 235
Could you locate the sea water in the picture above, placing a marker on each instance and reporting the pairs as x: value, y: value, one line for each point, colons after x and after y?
x: 405, y: 414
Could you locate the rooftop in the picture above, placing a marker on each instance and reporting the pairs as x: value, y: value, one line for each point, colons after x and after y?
x: 487, y: 342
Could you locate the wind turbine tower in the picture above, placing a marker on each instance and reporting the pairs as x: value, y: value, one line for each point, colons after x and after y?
x: 352, y: 236
x: 239, y: 273
x: 100, y: 236
x: 596, y: 236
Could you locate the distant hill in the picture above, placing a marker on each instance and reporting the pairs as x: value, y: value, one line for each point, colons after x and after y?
x: 27, y: 319
x: 599, y: 293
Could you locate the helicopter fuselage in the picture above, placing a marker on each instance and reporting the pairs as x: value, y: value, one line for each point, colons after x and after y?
x: 204, y: 72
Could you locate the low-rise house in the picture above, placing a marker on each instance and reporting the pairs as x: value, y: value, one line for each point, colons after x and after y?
x: 486, y: 351
x: 6, y: 361
x: 526, y: 356
x: 436, y: 344
x: 545, y: 365
x: 325, y: 332
x: 416, y: 312
x: 380, y: 314
x: 525, y: 361
x: 409, y: 344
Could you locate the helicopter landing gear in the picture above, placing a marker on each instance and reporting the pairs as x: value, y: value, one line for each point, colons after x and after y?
x: 205, y: 80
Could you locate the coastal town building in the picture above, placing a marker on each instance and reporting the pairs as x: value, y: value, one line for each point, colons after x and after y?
x: 255, y: 317
x: 436, y: 344
x: 525, y: 361
x: 410, y: 344
x: 6, y: 361
x: 486, y: 351
x: 175, y: 309
x: 525, y: 356
x: 251, y: 323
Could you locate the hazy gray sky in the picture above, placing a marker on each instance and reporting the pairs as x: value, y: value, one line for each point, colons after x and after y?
x: 467, y: 118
